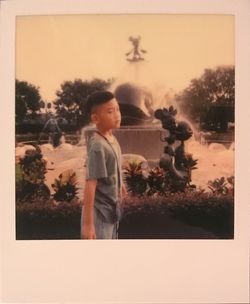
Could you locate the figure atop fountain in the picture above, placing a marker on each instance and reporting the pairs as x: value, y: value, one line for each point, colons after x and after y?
x: 136, y: 51
x: 52, y: 128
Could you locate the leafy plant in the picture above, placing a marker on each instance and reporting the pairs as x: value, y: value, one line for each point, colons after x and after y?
x: 156, y: 181
x: 65, y: 186
x: 135, y: 179
x: 33, y: 166
x: 190, y: 163
x: 231, y: 183
x: 30, y: 176
x: 218, y: 186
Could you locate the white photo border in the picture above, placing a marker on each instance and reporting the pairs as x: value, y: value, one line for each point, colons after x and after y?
x: 125, y: 271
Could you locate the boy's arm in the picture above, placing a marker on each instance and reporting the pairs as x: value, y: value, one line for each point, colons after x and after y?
x: 124, y: 190
x: 88, y: 227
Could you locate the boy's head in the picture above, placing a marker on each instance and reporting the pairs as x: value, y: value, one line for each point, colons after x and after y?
x: 103, y: 110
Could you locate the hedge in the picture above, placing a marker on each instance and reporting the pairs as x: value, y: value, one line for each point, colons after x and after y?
x: 46, y: 220
x: 178, y: 216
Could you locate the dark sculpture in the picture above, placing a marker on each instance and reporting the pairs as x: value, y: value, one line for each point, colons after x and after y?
x: 55, y: 133
x: 176, y: 163
x: 133, y: 100
x: 136, y: 51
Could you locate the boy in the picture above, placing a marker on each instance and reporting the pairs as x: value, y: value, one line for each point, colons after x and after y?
x: 102, y: 196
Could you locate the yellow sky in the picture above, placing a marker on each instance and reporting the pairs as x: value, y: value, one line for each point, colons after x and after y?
x: 51, y: 49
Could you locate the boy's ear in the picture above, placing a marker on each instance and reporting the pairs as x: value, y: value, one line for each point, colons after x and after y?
x: 94, y: 118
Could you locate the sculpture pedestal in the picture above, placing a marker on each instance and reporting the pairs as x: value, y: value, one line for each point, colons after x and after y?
x: 145, y: 141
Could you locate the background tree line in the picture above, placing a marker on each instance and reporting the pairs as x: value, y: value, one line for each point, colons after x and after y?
x: 69, y: 104
x: 208, y: 100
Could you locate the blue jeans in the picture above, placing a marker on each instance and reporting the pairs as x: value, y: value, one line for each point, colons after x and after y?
x: 103, y: 230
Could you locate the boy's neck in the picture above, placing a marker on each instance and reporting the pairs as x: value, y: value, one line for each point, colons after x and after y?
x: 106, y: 133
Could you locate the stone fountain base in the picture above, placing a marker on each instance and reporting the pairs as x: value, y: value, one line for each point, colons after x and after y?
x: 144, y: 141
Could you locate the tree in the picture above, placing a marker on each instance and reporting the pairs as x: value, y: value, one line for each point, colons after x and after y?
x: 71, y: 98
x: 28, y: 99
x: 215, y: 88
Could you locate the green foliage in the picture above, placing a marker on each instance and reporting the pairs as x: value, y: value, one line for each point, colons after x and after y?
x: 65, y: 187
x: 214, y: 87
x: 163, y: 217
x: 30, y: 176
x: 231, y: 183
x: 176, y: 216
x: 158, y: 181
x: 189, y: 163
x: 28, y: 99
x: 19, y: 178
x: 71, y: 99
x: 42, y: 219
x: 212, y: 212
x: 33, y: 166
x: 222, y: 186
x: 188, y: 215
x: 135, y: 179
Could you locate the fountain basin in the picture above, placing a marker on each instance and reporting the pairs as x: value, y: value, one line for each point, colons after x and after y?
x: 144, y: 141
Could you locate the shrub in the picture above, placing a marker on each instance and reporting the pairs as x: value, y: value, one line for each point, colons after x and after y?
x: 33, y: 166
x: 158, y: 181
x: 45, y: 220
x: 135, y: 179
x: 30, y: 176
x: 219, y: 186
x: 196, y: 215
x: 65, y: 187
x: 212, y: 212
x: 156, y: 217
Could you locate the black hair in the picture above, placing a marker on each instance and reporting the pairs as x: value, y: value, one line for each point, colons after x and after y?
x: 97, y: 99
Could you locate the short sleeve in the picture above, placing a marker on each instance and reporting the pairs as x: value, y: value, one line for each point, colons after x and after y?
x: 96, y: 164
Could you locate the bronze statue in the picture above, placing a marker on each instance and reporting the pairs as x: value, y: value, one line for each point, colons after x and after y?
x: 136, y: 51
x: 176, y: 163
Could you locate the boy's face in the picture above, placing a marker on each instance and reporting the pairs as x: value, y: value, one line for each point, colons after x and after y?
x: 107, y: 116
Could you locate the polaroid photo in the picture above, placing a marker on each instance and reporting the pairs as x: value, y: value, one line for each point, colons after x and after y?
x: 148, y: 103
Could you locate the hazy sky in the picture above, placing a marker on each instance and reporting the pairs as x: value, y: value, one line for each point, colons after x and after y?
x: 51, y: 49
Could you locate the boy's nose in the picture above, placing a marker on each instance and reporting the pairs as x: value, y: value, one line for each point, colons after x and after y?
x: 118, y: 115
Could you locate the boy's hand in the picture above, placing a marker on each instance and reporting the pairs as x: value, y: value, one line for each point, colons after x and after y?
x: 88, y: 232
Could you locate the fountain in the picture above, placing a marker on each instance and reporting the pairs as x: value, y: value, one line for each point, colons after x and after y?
x: 141, y: 133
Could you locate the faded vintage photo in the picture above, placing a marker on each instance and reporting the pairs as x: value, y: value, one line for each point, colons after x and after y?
x: 124, y: 126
